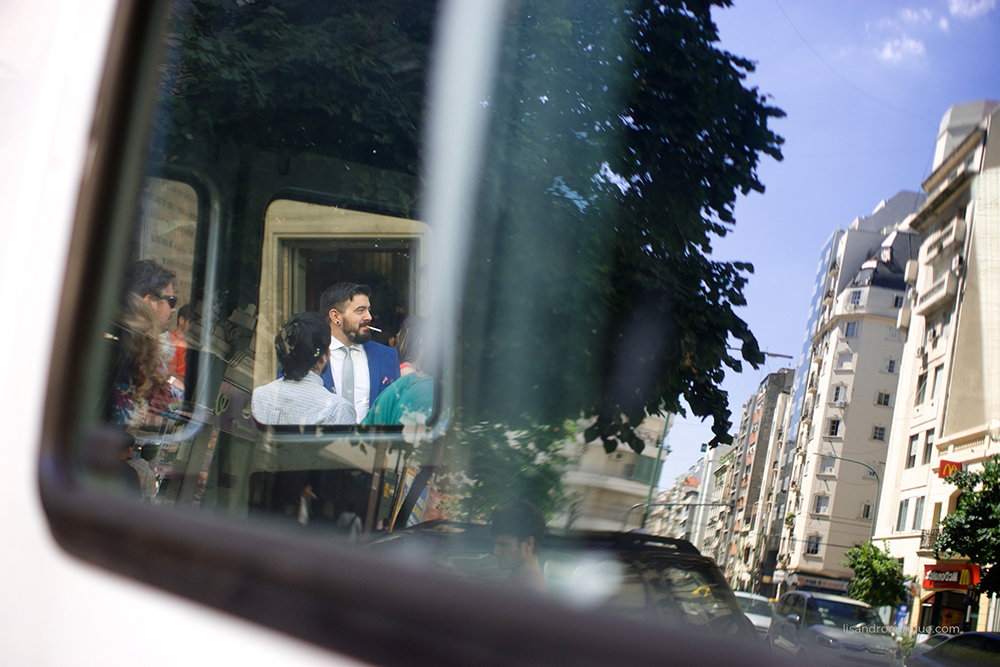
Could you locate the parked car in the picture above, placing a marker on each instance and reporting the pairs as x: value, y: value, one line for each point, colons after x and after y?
x: 969, y: 649
x: 757, y: 608
x: 654, y: 578
x: 929, y: 643
x: 818, y: 627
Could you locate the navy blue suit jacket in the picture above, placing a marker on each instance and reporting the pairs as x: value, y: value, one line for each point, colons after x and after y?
x: 383, y: 369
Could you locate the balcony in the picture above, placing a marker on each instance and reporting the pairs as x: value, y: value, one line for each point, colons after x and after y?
x: 927, y: 539
x: 938, y: 295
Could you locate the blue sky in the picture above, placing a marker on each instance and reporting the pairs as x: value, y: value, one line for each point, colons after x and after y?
x: 864, y: 84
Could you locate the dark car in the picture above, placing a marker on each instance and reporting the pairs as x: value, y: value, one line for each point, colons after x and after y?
x: 823, y: 628
x: 969, y: 649
x: 929, y: 643
x: 659, y: 579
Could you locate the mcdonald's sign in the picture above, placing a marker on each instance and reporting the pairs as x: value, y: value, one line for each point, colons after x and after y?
x: 958, y: 577
x: 949, y: 468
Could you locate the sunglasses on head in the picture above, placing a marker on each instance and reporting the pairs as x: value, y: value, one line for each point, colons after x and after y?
x: 172, y: 300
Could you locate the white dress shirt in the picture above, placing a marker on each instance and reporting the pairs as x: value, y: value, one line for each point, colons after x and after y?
x: 362, y: 382
x: 304, y: 401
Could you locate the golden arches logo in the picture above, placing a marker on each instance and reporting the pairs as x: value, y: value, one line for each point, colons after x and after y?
x: 948, y: 468
x: 965, y: 578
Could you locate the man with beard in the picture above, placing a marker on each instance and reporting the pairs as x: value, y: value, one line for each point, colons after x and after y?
x: 359, y: 367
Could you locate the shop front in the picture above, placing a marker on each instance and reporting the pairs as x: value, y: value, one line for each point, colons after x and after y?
x: 948, y: 606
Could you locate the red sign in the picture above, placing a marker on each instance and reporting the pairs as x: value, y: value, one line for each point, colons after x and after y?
x: 949, y: 468
x: 958, y: 577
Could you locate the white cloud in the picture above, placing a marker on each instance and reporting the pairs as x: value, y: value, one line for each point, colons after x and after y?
x: 915, y: 15
x: 895, y: 50
x: 970, y: 9
x: 943, y: 24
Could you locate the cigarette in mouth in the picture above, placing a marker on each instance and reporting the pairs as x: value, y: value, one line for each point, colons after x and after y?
x: 376, y: 329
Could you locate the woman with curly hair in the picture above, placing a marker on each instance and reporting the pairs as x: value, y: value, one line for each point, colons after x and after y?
x: 143, y: 394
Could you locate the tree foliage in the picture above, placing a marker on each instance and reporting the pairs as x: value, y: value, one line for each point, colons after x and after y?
x: 973, y: 529
x: 630, y: 132
x: 878, y: 577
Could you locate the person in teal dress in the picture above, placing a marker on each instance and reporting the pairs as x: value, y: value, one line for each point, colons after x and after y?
x: 410, y: 399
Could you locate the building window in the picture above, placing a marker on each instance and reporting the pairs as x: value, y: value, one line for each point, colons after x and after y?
x: 866, y: 511
x: 921, y: 389
x: 897, y: 301
x: 813, y: 544
x: 878, y: 432
x: 928, y: 447
x: 911, y: 454
x: 889, y: 366
x: 855, y: 298
x: 821, y: 504
x: 918, y: 513
x: 833, y: 427
x: 845, y: 361
x: 883, y: 398
x: 892, y: 333
x: 839, y: 393
x: 826, y: 465
x: 850, y: 329
x: 904, y: 506
x: 936, y: 386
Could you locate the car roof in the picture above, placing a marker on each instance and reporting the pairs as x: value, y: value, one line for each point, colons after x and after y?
x: 750, y: 596
x: 832, y: 598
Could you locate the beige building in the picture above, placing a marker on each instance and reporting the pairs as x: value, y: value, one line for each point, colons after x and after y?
x: 609, y: 491
x: 948, y: 408
x: 846, y: 414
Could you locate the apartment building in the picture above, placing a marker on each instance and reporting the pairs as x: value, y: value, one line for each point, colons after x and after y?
x: 750, y: 465
x: 947, y: 412
x: 674, y: 513
x: 848, y: 389
x: 609, y: 491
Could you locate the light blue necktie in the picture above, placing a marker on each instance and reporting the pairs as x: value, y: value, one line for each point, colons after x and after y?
x: 347, y: 388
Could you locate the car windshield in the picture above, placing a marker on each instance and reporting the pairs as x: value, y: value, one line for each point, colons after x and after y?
x: 753, y: 606
x: 835, y: 613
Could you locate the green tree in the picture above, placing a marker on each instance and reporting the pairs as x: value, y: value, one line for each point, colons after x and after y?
x: 973, y: 529
x: 878, y: 577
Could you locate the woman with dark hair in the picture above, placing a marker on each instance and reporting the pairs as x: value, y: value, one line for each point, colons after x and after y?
x: 299, y: 397
x: 142, y: 395
x: 410, y: 399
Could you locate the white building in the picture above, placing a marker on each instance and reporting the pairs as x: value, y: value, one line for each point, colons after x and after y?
x: 948, y: 407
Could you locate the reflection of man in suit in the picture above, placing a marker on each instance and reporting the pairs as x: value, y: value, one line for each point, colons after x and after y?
x: 359, y: 367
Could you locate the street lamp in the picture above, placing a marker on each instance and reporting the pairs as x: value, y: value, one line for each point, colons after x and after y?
x: 878, y: 490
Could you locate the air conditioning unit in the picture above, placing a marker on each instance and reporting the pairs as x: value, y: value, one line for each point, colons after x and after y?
x: 921, y: 351
x: 840, y: 404
x: 956, y: 263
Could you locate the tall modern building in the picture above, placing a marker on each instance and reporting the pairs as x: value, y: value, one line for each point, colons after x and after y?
x: 948, y: 406
x: 847, y: 388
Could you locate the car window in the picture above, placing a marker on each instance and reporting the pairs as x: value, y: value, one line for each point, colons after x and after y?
x: 283, y: 339
x: 834, y: 613
x: 753, y: 606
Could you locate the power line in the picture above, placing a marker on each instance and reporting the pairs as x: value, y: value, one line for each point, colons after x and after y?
x: 844, y: 78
